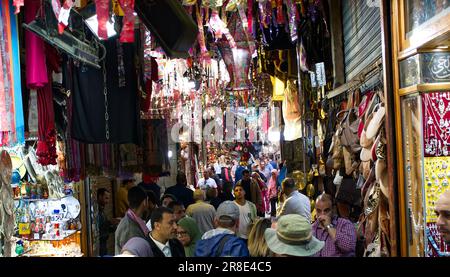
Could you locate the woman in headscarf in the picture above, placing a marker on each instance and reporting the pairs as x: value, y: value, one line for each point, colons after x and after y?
x: 188, y: 234
x: 262, y: 186
x: 273, y: 192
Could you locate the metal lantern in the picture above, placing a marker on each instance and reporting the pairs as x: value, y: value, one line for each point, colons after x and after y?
x: 237, y: 59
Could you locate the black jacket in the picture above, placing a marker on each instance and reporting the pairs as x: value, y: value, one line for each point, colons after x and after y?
x: 176, y: 248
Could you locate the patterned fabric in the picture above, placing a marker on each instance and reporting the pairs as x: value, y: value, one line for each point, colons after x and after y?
x: 138, y: 220
x: 127, y: 34
x: 12, y: 125
x: 436, y: 123
x: 345, y: 242
x: 436, y: 246
x: 102, y: 9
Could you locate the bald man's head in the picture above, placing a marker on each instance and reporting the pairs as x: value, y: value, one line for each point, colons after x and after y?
x: 443, y: 212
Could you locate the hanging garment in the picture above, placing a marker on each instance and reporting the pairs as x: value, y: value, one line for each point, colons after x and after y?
x: 46, y: 148
x: 36, y: 68
x: 292, y: 113
x: 127, y: 34
x: 88, y: 121
x: 156, y: 147
x: 11, y: 120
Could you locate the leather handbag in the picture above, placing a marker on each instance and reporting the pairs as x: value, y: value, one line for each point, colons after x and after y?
x: 349, y: 137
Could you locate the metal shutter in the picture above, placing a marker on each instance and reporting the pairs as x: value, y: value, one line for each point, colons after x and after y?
x: 362, y: 36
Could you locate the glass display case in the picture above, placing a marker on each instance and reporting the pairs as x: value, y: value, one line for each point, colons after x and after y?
x: 412, y: 145
x: 426, y: 157
x: 420, y: 12
x: 420, y: 21
x: 48, y: 226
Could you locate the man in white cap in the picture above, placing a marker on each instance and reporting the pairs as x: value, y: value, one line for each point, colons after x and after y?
x: 443, y: 212
x: 222, y: 241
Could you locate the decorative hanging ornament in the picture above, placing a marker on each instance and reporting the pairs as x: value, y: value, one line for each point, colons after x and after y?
x: 238, y: 59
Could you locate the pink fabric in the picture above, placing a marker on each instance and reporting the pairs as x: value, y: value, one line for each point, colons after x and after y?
x: 35, y: 51
x: 18, y: 4
x: 63, y: 17
x: 273, y: 192
x: 102, y: 8
x: 127, y: 34
x: 138, y: 220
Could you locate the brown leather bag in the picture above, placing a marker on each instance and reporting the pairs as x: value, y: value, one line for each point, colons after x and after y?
x: 349, y: 135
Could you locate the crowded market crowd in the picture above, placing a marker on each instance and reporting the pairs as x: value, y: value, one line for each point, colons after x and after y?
x: 235, y: 210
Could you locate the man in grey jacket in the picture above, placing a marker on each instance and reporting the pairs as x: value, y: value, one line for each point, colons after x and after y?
x: 296, y: 203
x: 132, y: 224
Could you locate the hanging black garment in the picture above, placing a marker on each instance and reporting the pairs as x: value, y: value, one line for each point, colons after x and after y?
x: 88, y: 122
x: 155, y: 147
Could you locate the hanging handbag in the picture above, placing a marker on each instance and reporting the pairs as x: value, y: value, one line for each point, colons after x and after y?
x: 349, y: 137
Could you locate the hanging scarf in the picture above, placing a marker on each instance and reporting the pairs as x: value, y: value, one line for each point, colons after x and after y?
x: 18, y: 108
x: 127, y: 34
x: 36, y: 68
x: 12, y: 125
x: 134, y: 217
x: 102, y: 9
x: 46, y: 147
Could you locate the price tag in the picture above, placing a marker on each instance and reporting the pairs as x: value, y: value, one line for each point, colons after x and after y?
x: 320, y: 74
x: 36, y: 236
x: 312, y: 75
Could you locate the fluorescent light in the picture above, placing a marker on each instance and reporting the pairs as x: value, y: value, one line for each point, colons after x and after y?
x: 442, y: 47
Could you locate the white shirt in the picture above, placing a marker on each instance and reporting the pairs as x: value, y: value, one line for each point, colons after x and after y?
x: 296, y: 203
x: 210, y: 183
x: 165, y: 248
x: 149, y: 224
x: 217, y: 168
x: 244, y: 220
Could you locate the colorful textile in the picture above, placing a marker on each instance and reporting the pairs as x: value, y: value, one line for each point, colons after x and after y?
x: 138, y: 220
x: 35, y: 52
x: 12, y: 125
x: 436, y: 123
x: 127, y: 34
x: 102, y: 9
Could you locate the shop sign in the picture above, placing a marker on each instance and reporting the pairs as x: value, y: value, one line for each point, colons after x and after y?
x: 438, y: 67
x: 320, y: 74
x: 425, y: 68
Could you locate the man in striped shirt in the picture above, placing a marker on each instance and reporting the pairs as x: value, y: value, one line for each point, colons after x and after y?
x: 339, y: 234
